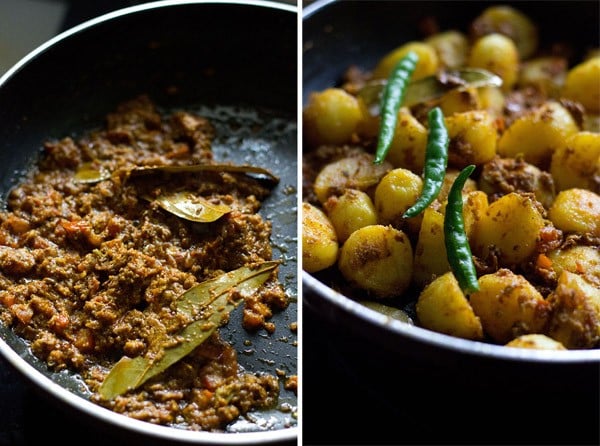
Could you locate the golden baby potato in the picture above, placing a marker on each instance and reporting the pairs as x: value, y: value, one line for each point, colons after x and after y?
x: 353, y: 172
x: 510, y: 226
x: 377, y: 259
x: 350, y: 211
x: 473, y: 138
x: 460, y: 101
x: 427, y: 64
x: 575, y: 319
x: 498, y: 54
x: 536, y: 341
x: 577, y: 162
x: 452, y: 48
x: 576, y: 211
x: 578, y: 259
x: 319, y: 240
x: 331, y: 117
x: 396, y: 192
x: 409, y: 143
x: 582, y: 85
x: 491, y: 99
x: 449, y: 177
x: 430, y: 258
x: 442, y: 307
x: 512, y: 23
x: 538, y: 134
x: 547, y: 74
x: 509, y: 306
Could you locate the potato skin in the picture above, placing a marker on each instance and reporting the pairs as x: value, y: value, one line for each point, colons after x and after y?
x: 509, y: 306
x: 577, y: 162
x: 576, y: 211
x: 352, y: 172
x: 331, y: 117
x: 536, y: 341
x: 497, y: 229
x: 319, y: 240
x: 576, y: 312
x: 473, y: 138
x: 377, y: 259
x: 349, y: 212
x: 581, y: 84
x: 538, y: 134
x: 427, y: 65
x: 496, y: 53
x: 430, y: 258
x: 442, y: 307
x: 396, y: 192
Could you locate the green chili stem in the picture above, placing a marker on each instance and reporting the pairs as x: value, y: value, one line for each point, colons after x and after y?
x: 436, y: 161
x: 457, y: 243
x: 393, y: 94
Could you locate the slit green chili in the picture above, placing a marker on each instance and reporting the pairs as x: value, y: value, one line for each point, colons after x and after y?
x: 391, y: 99
x: 436, y: 162
x: 457, y: 243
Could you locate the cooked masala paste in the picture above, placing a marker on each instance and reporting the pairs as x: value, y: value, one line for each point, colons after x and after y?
x: 91, y: 266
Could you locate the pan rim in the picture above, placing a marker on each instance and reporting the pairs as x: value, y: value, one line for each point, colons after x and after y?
x: 349, y: 307
x: 64, y: 395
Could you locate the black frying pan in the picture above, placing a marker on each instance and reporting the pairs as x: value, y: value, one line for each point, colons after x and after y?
x: 394, y: 383
x: 240, y: 54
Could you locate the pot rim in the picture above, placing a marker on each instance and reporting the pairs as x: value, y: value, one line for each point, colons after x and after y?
x: 350, y: 308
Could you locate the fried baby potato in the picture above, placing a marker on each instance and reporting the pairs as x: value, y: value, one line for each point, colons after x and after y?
x: 331, y: 117
x: 349, y: 212
x: 353, y: 172
x: 460, y: 101
x: 319, y: 240
x: 582, y: 85
x: 408, y: 145
x: 510, y: 228
x: 576, y: 211
x: 512, y: 23
x: 377, y: 259
x: 547, y: 74
x: 538, y: 134
x: 498, y: 54
x: 473, y: 138
x: 536, y: 341
x: 430, y: 258
x: 577, y: 162
x: 509, y: 306
x: 427, y: 64
x: 575, y: 319
x: 443, y: 307
x: 578, y: 259
x: 396, y: 192
x: 452, y: 48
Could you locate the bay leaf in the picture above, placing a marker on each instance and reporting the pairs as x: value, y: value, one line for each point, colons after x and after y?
x: 191, y: 207
x: 89, y: 173
x: 210, y: 302
x: 430, y: 87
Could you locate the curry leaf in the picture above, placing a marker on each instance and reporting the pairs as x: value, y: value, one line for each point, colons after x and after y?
x: 209, y: 303
x: 191, y: 207
x: 253, y: 171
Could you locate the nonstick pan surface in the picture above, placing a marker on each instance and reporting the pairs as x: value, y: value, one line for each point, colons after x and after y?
x: 337, y: 35
x: 236, y: 63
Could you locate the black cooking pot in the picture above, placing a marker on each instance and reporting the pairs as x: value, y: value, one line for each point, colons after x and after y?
x: 390, y: 382
x: 183, y: 55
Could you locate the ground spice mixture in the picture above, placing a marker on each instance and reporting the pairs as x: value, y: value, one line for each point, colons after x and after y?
x: 91, y: 265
